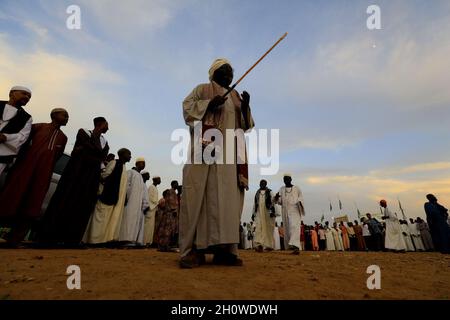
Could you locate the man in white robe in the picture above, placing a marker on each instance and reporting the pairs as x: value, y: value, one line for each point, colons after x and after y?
x: 415, y: 234
x: 264, y: 217
x: 407, y: 236
x: 153, y: 198
x: 329, y: 237
x: 15, y: 125
x: 213, y: 192
x: 105, y: 221
x: 132, y: 226
x: 394, y: 237
x: 337, y: 237
x: 291, y: 200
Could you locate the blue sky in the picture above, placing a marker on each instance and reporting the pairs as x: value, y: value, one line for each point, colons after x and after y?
x: 362, y: 114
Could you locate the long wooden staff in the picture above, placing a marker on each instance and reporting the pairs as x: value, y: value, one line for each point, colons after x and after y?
x: 248, y: 71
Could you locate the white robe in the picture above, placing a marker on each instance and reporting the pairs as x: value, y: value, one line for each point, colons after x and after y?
x: 330, y: 240
x: 394, y: 238
x: 408, y: 241
x: 415, y: 234
x: 212, y: 202
x: 292, y: 214
x: 105, y: 221
x: 337, y: 239
x: 247, y: 243
x: 264, y: 224
x: 132, y: 228
x: 13, y: 140
x: 149, y: 225
x: 276, y: 239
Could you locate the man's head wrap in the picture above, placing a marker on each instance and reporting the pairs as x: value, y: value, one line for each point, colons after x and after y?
x: 216, y: 65
x: 20, y: 88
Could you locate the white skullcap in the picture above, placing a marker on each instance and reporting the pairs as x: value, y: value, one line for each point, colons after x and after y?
x: 145, y: 172
x: 20, y: 88
x: 140, y: 159
x: 287, y: 174
x: 216, y: 65
x: 156, y: 177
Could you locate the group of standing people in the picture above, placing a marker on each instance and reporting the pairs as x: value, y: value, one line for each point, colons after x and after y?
x: 204, y: 217
x: 97, y: 200
x: 392, y: 234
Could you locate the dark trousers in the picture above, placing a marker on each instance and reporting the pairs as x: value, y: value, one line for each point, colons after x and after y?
x: 368, y: 241
x: 322, y: 244
x: 377, y: 242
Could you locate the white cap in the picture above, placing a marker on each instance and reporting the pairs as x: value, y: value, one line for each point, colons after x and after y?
x: 140, y: 159
x: 156, y: 177
x: 20, y: 88
x: 287, y: 174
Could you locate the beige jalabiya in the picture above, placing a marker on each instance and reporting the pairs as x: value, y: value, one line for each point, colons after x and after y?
x: 212, y: 201
x: 264, y: 223
x: 104, y: 223
x: 149, y: 224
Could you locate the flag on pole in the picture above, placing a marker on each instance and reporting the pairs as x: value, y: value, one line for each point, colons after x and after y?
x: 322, y: 218
x: 359, y: 213
x: 340, y: 204
x: 331, y: 207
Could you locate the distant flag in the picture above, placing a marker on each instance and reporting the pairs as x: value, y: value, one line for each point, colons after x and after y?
x: 340, y: 204
x: 331, y: 207
x: 322, y: 218
x: 359, y: 213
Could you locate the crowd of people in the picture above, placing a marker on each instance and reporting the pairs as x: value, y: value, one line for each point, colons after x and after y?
x: 369, y: 234
x: 96, y: 202
x: 99, y: 202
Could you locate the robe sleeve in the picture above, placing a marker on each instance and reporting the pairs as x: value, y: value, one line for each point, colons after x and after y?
x: 109, y: 169
x: 194, y: 108
x: 280, y: 201
x: 130, y: 176
x: 145, y: 200
x: 61, y: 149
x: 153, y: 197
x: 300, y: 202
x: 15, y: 140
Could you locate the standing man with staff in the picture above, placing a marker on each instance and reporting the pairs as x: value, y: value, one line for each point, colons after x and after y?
x: 213, y: 193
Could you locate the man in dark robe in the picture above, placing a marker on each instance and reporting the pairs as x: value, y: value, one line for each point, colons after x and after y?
x: 74, y: 200
x: 437, y: 221
x: 29, y: 179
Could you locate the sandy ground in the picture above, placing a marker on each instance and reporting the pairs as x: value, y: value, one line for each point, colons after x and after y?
x: 148, y: 274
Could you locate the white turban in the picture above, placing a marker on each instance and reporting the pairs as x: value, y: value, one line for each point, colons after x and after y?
x: 20, y: 88
x: 216, y: 65
x: 140, y: 159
